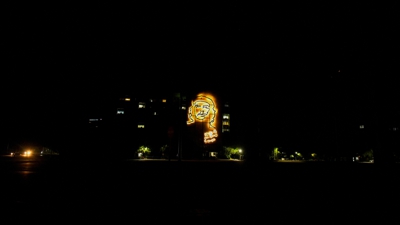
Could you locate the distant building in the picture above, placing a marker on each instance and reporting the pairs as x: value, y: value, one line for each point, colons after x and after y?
x: 129, y: 120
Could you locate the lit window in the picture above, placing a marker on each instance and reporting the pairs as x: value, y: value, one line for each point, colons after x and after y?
x: 120, y: 111
x: 183, y: 107
x: 151, y: 100
x: 361, y: 126
x: 225, y: 116
x: 140, y: 126
x: 127, y: 99
x: 93, y: 119
x: 155, y: 113
x: 226, y: 105
x: 225, y: 130
x: 164, y: 100
x: 142, y: 105
x: 225, y: 123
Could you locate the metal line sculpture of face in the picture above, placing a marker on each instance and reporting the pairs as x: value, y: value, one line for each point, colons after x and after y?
x: 203, y: 109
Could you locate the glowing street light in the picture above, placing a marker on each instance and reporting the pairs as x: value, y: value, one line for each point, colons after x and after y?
x: 28, y: 153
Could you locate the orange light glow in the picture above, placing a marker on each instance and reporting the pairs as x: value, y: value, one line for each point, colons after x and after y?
x: 210, y: 136
x: 27, y: 153
x: 204, y: 110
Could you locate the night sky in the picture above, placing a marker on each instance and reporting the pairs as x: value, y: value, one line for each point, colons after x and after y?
x: 281, y: 59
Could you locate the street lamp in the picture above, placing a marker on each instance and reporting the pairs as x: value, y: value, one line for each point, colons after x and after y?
x: 240, y: 154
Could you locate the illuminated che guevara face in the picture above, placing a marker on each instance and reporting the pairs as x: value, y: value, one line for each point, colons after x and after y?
x: 202, y: 109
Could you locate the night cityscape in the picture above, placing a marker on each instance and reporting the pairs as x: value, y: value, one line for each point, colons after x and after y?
x: 228, y: 112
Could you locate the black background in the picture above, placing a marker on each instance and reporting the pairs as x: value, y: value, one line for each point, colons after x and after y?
x: 282, y: 60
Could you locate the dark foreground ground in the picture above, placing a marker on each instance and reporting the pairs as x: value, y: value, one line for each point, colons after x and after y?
x: 197, y: 192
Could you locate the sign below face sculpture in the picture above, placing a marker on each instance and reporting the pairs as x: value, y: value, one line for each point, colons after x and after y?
x: 204, y: 110
x: 210, y: 136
